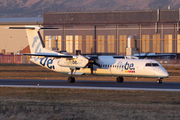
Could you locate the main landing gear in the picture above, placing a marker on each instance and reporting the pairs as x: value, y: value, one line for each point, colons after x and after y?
x: 71, y: 79
x: 159, y: 81
x: 119, y: 79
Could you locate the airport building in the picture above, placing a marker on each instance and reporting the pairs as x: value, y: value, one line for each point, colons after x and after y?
x: 15, y: 41
x: 107, y: 32
x: 98, y: 32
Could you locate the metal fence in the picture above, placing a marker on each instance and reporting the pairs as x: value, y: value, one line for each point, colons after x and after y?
x: 17, y: 59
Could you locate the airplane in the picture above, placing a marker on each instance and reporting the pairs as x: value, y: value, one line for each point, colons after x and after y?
x: 89, y: 65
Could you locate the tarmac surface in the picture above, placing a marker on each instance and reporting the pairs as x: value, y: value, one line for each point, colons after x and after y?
x: 105, y: 85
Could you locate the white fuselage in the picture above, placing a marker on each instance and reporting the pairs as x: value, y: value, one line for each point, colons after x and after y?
x: 110, y: 66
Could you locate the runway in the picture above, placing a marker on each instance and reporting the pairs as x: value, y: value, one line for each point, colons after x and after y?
x: 105, y: 85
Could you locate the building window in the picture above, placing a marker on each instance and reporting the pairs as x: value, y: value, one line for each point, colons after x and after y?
x: 178, y: 43
x: 78, y: 42
x: 100, y: 43
x: 110, y: 43
x: 69, y: 43
x: 89, y: 43
x: 59, y: 39
x: 168, y: 43
x: 145, y: 43
x: 156, y: 43
x: 122, y: 43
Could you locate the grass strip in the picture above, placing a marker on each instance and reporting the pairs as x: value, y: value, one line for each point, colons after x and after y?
x: 43, y: 103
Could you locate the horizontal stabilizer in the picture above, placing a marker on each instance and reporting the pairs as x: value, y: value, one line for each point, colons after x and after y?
x: 32, y: 28
x: 22, y: 28
x: 49, y: 28
x: 50, y: 55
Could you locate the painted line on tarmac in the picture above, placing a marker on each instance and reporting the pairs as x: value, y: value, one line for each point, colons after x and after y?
x: 100, y: 88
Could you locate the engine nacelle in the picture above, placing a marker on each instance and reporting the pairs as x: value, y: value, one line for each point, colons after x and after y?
x: 78, y: 62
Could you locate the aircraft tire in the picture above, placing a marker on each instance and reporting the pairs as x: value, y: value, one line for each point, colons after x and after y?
x: 119, y: 79
x: 159, y: 81
x: 71, y: 80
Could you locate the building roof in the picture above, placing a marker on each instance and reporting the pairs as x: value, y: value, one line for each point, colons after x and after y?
x: 32, y: 20
x: 112, y: 17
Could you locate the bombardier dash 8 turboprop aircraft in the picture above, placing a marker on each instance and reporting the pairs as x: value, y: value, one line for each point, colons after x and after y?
x: 86, y: 65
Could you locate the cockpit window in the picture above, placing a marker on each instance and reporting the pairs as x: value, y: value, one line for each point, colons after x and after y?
x: 152, y: 64
x: 155, y: 64
x: 148, y: 64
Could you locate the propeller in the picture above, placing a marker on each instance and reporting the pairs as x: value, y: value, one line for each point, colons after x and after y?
x: 92, y: 61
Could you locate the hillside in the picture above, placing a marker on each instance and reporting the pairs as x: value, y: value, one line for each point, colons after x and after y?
x: 34, y: 8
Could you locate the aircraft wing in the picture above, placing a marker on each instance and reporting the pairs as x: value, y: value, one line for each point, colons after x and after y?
x: 50, y: 55
x: 149, y: 55
x: 117, y: 56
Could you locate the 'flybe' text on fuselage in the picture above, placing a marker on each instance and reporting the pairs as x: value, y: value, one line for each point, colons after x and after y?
x: 48, y: 62
x: 128, y: 67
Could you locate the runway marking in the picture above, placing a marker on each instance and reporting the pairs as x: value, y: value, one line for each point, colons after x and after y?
x: 101, y: 88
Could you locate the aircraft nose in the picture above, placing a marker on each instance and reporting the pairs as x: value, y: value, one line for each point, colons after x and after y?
x: 163, y: 73
x: 166, y: 74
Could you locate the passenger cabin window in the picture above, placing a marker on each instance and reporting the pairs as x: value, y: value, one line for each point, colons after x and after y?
x: 151, y: 64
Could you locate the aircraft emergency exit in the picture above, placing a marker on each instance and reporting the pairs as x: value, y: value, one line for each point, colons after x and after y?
x: 92, y: 64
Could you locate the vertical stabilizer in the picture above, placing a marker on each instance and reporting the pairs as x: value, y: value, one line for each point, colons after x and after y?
x: 35, y: 44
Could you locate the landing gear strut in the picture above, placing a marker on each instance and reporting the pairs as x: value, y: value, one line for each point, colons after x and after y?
x: 119, y: 79
x: 159, y: 81
x: 71, y: 79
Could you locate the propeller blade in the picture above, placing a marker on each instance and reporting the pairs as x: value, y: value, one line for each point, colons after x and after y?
x: 92, y: 61
x: 87, y: 65
x: 92, y: 69
x: 97, y: 64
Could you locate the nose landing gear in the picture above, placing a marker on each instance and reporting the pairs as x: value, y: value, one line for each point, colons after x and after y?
x: 159, y: 81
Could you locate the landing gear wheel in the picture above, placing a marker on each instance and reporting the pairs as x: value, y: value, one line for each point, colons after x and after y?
x: 71, y: 80
x: 159, y: 81
x: 119, y: 79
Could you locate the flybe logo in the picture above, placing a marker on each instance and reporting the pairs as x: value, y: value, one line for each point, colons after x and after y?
x: 36, y: 47
x: 127, y: 67
x: 48, y: 62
